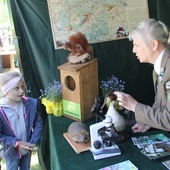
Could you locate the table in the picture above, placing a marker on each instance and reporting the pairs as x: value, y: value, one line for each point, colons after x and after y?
x: 11, y: 54
x: 57, y: 153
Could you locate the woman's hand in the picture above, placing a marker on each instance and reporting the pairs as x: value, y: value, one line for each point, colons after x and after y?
x: 140, y: 128
x: 126, y: 101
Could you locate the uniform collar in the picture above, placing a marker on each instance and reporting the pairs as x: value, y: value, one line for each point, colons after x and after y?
x: 157, y: 64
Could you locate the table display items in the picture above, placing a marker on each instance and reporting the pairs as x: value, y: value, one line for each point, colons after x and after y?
x: 130, y: 120
x: 149, y: 139
x: 78, y: 45
x: 153, y: 146
x: 155, y: 151
x: 78, y: 137
x: 79, y: 88
x: 167, y: 163
x: 109, y: 86
x: 51, y: 98
x: 78, y: 132
x: 117, y: 119
x: 125, y: 165
x: 104, y: 135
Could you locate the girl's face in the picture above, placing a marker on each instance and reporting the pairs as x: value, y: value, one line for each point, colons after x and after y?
x: 17, y: 92
x: 140, y: 50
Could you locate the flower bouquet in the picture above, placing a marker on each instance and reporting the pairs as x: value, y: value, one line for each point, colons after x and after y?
x: 51, y: 98
x: 110, y: 85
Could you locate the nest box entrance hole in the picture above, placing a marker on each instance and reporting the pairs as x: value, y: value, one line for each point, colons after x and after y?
x: 70, y: 83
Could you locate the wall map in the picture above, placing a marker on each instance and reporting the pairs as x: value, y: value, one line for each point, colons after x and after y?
x: 99, y: 20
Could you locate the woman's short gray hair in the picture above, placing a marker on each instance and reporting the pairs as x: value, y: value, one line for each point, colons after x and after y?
x: 151, y: 29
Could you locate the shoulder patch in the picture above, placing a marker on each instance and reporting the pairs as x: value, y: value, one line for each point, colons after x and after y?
x: 167, y: 85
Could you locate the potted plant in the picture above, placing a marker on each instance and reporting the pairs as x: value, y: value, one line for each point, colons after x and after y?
x: 51, y: 98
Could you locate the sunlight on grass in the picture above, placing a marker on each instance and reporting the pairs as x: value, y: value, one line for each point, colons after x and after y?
x: 34, y: 163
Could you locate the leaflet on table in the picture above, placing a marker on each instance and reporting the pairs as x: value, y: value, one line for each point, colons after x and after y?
x: 157, y: 150
x: 125, y: 165
x: 167, y: 164
x: 149, y: 139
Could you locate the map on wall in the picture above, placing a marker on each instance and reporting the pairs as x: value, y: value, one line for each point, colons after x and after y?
x: 99, y: 20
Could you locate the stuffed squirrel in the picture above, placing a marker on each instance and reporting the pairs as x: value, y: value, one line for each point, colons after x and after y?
x: 79, y: 47
x: 77, y: 44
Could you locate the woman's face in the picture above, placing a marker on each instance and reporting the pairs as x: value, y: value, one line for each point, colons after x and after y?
x: 140, y: 50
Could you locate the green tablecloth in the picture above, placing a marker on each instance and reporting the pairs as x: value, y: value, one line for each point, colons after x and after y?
x: 57, y: 153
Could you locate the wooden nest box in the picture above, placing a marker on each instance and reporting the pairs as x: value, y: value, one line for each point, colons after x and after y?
x: 79, y: 89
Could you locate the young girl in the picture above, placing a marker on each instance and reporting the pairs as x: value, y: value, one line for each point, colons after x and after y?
x: 20, y: 124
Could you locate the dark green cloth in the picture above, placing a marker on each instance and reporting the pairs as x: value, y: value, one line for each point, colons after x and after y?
x: 63, y: 157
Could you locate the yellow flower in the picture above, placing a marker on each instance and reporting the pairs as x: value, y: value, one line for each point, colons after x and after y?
x: 58, y: 109
x: 55, y: 108
x: 50, y: 104
x: 49, y: 109
x: 44, y: 101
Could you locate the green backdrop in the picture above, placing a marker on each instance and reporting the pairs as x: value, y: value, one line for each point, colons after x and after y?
x: 40, y: 59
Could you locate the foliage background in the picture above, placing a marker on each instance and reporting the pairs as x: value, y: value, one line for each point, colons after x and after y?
x: 4, y: 17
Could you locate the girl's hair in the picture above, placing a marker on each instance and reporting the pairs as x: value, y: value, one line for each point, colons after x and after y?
x: 8, y: 76
x: 151, y: 29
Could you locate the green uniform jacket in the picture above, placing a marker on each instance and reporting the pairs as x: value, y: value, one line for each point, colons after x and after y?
x: 158, y: 116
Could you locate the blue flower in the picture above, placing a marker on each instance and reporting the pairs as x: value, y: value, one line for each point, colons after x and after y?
x: 53, y: 92
x: 111, y: 84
